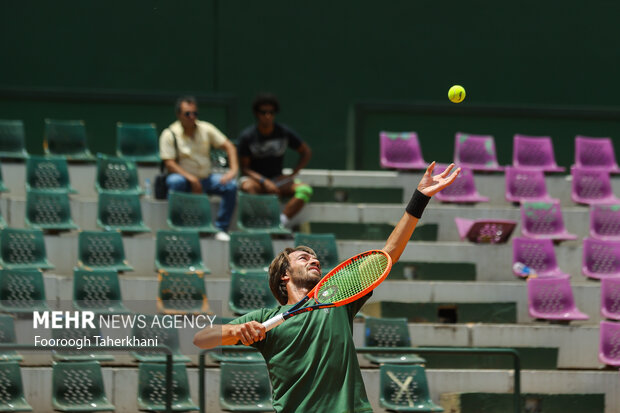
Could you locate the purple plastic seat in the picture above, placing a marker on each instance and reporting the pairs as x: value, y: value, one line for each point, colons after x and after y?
x: 591, y: 186
x: 552, y: 299
x: 605, y: 222
x: 544, y: 220
x: 462, y: 190
x: 476, y: 152
x: 538, y: 255
x: 485, y: 231
x: 601, y: 259
x: 609, y: 343
x: 401, y: 150
x: 534, y: 152
x: 610, y: 298
x: 525, y: 185
x: 595, y: 153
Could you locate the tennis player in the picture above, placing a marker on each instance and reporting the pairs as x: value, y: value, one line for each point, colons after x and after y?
x: 311, y: 357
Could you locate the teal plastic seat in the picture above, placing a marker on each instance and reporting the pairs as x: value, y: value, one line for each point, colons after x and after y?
x: 250, y: 291
x: 48, y: 211
x: 23, y: 249
x: 7, y: 335
x: 22, y: 291
x: 120, y: 212
x: 178, y: 251
x: 12, y: 397
x: 48, y: 173
x: 79, y: 355
x: 325, y: 247
x: 165, y: 335
x: 137, y: 141
x: 404, y: 388
x: 102, y: 250
x: 389, y: 332
x: 12, y: 139
x: 190, y: 212
x: 3, y: 187
x: 78, y: 387
x: 245, y: 387
x: 117, y: 175
x: 259, y: 213
x: 152, y: 388
x: 250, y: 251
x: 98, y: 291
x: 2, y: 222
x: 182, y: 293
x: 67, y: 138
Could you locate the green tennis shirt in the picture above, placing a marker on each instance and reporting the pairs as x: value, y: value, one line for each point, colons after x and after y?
x: 312, y: 361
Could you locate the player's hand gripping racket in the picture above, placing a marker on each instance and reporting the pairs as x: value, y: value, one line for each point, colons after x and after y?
x: 349, y: 281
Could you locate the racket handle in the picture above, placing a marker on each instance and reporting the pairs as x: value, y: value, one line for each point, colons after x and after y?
x: 273, y: 322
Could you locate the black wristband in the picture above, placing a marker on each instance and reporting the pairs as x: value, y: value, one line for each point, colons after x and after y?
x: 417, y: 204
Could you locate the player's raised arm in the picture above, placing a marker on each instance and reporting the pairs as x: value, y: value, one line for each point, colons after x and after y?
x: 230, y: 334
x: 429, y: 185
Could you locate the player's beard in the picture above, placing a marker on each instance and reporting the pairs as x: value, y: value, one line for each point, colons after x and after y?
x: 302, y: 278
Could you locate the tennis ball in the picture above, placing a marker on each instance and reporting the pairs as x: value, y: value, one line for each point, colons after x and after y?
x: 456, y: 94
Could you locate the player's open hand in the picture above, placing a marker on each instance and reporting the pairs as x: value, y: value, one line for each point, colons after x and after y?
x: 429, y: 185
x: 251, y: 332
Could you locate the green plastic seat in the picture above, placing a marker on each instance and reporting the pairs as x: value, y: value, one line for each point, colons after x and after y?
x: 325, y: 247
x: 78, y: 355
x: 2, y: 222
x: 12, y: 397
x: 22, y: 291
x: 250, y: 291
x: 165, y: 335
x: 137, y: 141
x: 152, y: 388
x: 250, y: 251
x: 23, y: 248
x: 48, y: 211
x: 48, y: 173
x: 190, y: 212
x: 178, y: 251
x: 245, y: 387
x: 117, y: 175
x: 7, y: 335
x: 388, y: 332
x: 12, y: 139
x: 182, y: 293
x: 3, y: 187
x: 77, y: 386
x: 102, y: 250
x: 404, y: 388
x: 98, y: 291
x: 67, y: 138
x: 120, y: 212
x: 259, y: 213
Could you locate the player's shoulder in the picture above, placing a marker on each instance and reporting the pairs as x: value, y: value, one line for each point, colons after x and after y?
x: 285, y: 130
x: 248, y: 132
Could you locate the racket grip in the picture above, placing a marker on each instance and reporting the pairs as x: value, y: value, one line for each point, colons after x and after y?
x: 273, y: 322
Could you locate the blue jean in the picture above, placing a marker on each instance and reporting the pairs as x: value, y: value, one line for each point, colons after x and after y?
x: 211, y: 185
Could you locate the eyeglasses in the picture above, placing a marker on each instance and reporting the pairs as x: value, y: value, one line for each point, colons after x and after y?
x: 266, y: 112
x: 188, y: 114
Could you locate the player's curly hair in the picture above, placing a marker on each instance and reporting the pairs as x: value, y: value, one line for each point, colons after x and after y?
x: 266, y: 99
x: 278, y: 267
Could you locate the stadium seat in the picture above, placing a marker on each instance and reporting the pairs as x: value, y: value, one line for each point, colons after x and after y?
x: 552, y: 299
x: 12, y: 389
x: 476, y: 152
x: 102, y: 250
x: 591, y: 186
x: 152, y: 388
x: 525, y: 185
x: 537, y: 254
x: 12, y: 139
x: 601, y: 259
x: 544, y: 220
x: 388, y: 332
x: 165, y: 335
x: 404, y: 388
x: 117, y: 175
x: 78, y: 355
x: 250, y: 291
x: 7, y: 335
x: 137, y: 142
x: 3, y: 187
x: 325, y: 247
x: 595, y: 153
x: 49, y: 211
x: 182, y: 293
x: 250, y: 251
x: 190, y: 212
x: 610, y: 298
x: 259, y: 213
x: 22, y: 291
x: 609, y: 343
x: 485, y: 231
x: 534, y: 152
x: 401, y: 150
x: 463, y: 189
x: 120, y: 212
x: 245, y: 387
x: 48, y: 173
x: 78, y: 387
x: 2, y: 222
x: 98, y: 291
x: 605, y: 222
x: 66, y: 138
x: 23, y: 249
x: 178, y: 251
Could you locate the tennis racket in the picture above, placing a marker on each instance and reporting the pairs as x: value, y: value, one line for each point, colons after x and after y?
x: 347, y: 282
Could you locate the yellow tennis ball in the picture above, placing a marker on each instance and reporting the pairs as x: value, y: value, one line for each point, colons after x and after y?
x: 456, y: 94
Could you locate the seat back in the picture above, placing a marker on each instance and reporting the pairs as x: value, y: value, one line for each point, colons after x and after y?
x: 552, y: 299
x: 48, y: 210
x: 590, y: 186
x: 605, y: 221
x: 258, y: 212
x: 601, y: 258
x: 152, y: 387
x: 401, y: 150
x: 610, y: 298
x: 325, y: 247
x: 250, y: 291
x: 47, y: 173
x: 386, y: 332
x: 250, y: 251
x: 476, y: 152
x: 78, y: 385
x: 534, y: 152
x: 537, y: 254
x: 178, y: 250
x: 595, y: 153
x: 119, y: 211
x: 609, y: 343
x: 463, y: 189
x: 12, y: 397
x: 137, y: 141
x: 66, y: 137
x: 181, y: 292
x: 404, y: 386
x: 187, y: 211
x: 245, y: 387
x: 22, y: 290
x: 74, y: 333
x: 150, y: 330
x: 100, y: 249
x: 542, y: 218
x: 525, y: 184
x: 116, y: 174
x: 23, y: 248
x: 96, y: 290
x: 12, y: 139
